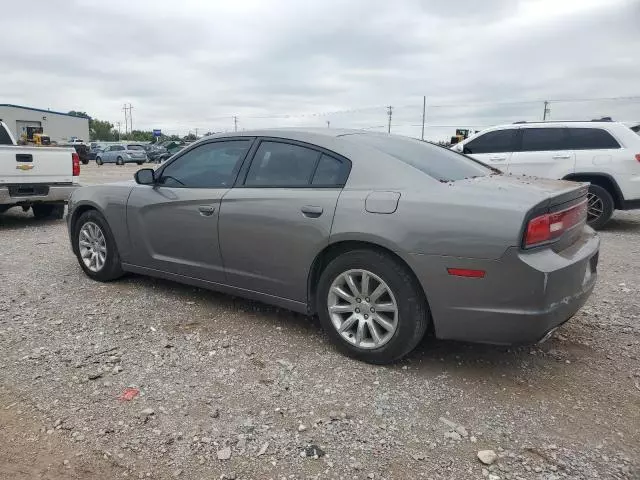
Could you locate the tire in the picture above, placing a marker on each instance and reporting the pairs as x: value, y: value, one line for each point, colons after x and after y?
x: 99, y: 161
x: 410, y: 320
x: 111, y: 268
x: 600, y: 207
x: 119, y: 161
x: 85, y: 162
x: 48, y: 210
x: 139, y: 163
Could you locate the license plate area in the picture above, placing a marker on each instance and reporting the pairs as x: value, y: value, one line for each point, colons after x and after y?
x: 28, y: 190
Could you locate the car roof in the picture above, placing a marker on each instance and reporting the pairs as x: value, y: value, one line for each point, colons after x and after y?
x: 293, y: 132
x: 560, y: 123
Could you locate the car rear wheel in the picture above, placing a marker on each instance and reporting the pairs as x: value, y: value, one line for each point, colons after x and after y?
x: 371, y: 306
x: 95, y: 247
x: 48, y: 210
x: 99, y: 161
x: 139, y: 163
x: 119, y: 161
x: 600, y: 206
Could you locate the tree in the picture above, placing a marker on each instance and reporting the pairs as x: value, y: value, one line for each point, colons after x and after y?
x: 102, y: 130
x: 79, y: 114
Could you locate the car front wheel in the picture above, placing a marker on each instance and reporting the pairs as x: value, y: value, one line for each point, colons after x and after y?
x: 98, y: 160
x: 95, y: 247
x: 371, y: 306
x: 119, y: 161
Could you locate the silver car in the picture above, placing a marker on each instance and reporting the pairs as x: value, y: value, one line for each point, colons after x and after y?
x: 383, y: 237
x: 121, y: 154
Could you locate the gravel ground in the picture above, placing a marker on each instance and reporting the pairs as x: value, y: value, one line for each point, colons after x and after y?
x: 228, y: 388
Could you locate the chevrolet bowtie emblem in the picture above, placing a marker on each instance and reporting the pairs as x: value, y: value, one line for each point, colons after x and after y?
x: 24, y: 167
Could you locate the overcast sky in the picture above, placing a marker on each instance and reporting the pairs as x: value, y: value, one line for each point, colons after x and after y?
x: 195, y: 64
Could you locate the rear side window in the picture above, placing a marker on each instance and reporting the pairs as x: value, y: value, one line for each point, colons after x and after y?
x: 134, y: 147
x: 278, y: 164
x: 591, y: 139
x: 5, y: 139
x: 437, y: 162
x: 544, y: 139
x: 330, y: 171
x: 498, y: 141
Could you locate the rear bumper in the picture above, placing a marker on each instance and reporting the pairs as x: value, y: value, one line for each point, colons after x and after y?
x: 631, y: 204
x: 522, y: 297
x: 49, y: 194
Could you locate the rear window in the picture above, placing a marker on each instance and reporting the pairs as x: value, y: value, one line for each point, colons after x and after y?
x: 134, y: 147
x: 437, y: 162
x: 5, y: 139
x: 591, y: 139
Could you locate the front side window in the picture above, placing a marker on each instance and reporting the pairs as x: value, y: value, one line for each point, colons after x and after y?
x: 591, y: 139
x: 211, y: 165
x: 278, y: 164
x: 544, y: 139
x: 498, y: 141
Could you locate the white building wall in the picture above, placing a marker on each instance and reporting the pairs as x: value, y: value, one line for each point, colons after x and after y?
x: 59, y: 127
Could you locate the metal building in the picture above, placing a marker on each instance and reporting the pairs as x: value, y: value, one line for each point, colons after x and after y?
x: 61, y: 127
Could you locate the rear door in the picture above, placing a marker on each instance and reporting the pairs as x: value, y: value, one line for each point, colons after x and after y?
x: 173, y: 225
x: 279, y: 216
x: 543, y: 152
x: 493, y: 148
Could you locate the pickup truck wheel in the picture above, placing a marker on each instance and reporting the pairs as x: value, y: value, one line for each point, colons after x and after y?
x: 85, y: 162
x: 599, y: 207
x: 48, y: 210
x: 99, y: 161
x: 95, y: 247
x: 139, y: 163
x: 119, y: 161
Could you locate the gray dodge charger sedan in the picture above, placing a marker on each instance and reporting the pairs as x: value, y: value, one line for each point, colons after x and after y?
x: 383, y: 237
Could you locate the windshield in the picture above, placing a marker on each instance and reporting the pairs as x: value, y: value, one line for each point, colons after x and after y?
x: 437, y: 162
x: 134, y: 147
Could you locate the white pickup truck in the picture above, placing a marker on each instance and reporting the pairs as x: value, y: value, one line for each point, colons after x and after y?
x: 40, y: 178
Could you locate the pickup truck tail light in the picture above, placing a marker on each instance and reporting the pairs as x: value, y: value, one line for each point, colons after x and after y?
x: 638, y: 157
x: 549, y: 226
x: 75, y: 159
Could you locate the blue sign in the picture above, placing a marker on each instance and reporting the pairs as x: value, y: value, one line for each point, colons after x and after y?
x: 157, y: 133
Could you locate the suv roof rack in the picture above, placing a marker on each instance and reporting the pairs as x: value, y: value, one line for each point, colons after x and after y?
x: 603, y: 119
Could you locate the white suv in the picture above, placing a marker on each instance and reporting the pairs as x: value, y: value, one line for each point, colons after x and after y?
x: 604, y: 153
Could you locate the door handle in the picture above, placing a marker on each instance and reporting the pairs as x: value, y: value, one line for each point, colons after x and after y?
x: 561, y: 157
x: 497, y: 158
x: 311, y: 211
x: 206, y: 210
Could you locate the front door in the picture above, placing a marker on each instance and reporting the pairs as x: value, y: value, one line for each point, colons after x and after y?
x: 543, y: 152
x: 274, y: 223
x: 173, y: 225
x: 493, y: 148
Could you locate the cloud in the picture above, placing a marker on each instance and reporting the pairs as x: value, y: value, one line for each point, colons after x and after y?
x: 192, y: 64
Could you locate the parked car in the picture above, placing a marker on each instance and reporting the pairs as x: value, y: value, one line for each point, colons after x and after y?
x: 94, y: 151
x: 40, y: 178
x: 384, y: 237
x: 604, y: 153
x: 121, y: 154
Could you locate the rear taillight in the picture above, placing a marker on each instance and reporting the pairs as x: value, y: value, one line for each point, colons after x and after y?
x: 75, y: 159
x: 550, y: 226
x: 638, y: 157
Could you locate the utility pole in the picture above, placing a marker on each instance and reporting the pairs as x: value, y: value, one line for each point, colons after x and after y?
x: 390, y: 113
x: 424, y: 111
x: 130, y: 117
x: 547, y: 111
x: 235, y: 123
x: 328, y: 124
x: 196, y: 133
x: 118, y: 123
x: 126, y: 118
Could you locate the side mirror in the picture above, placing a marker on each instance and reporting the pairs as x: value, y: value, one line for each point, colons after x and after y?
x: 459, y: 148
x: 145, y: 176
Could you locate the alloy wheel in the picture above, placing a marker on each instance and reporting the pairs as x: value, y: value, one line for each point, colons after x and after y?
x: 363, y: 308
x: 93, y: 246
x: 595, y: 207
